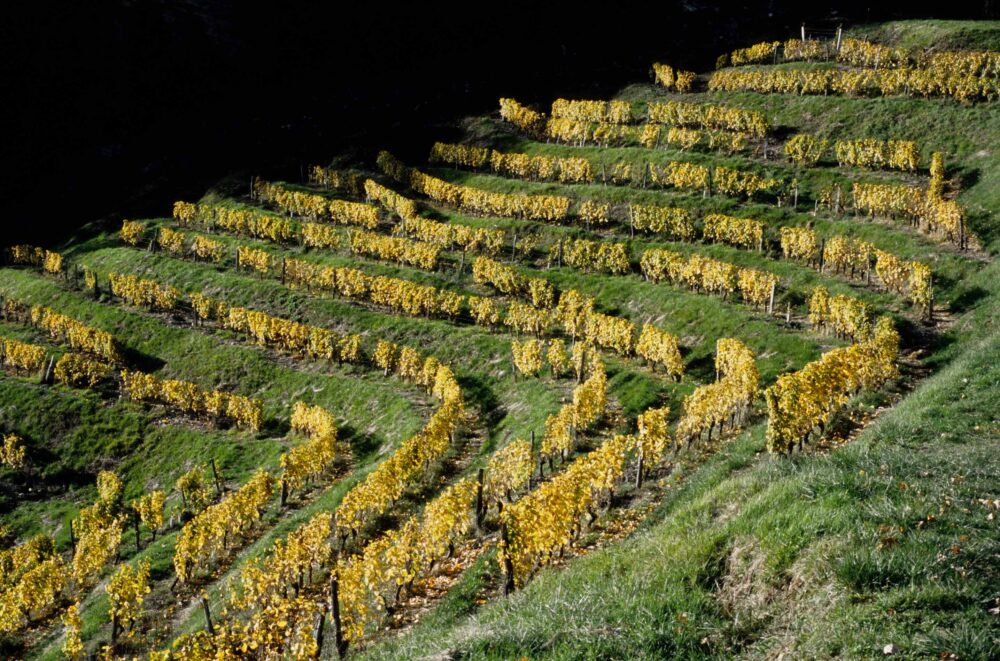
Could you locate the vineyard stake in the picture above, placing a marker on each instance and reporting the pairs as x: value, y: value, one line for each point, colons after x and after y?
x: 135, y: 524
x: 218, y: 482
x: 508, y: 565
x: 479, y: 498
x: 319, y: 634
x: 638, y: 472
x: 208, y: 616
x: 338, y: 630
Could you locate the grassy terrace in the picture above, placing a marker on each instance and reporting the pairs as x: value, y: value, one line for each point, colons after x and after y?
x: 643, y: 300
x: 888, y: 235
x: 890, y: 538
x: 818, y: 556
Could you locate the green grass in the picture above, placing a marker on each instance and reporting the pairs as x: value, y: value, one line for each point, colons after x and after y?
x: 835, y: 554
x: 751, y: 556
x: 936, y: 34
x: 810, y: 526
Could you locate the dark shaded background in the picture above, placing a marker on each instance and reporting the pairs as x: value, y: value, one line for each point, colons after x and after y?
x: 116, y: 107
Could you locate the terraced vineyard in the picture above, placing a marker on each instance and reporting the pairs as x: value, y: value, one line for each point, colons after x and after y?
x: 706, y: 369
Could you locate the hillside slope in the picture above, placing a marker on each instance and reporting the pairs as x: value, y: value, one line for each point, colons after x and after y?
x: 891, y: 539
x: 407, y: 319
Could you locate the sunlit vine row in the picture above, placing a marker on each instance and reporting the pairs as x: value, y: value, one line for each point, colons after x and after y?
x: 805, y: 149
x: 521, y: 116
x: 546, y: 521
x: 917, y: 82
x: 612, y: 112
x: 383, y: 486
x: 449, y: 236
x: 877, y: 154
x: 671, y: 221
x: 77, y: 335
x: 508, y: 281
x: 588, y: 405
x: 370, y: 582
x: 673, y: 79
x: 208, y: 536
x: 142, y: 292
x: 802, y: 401
x: 760, y: 52
x: 724, y: 404
x: 660, y: 348
x: 870, y: 54
x: 390, y: 200
x: 253, y: 223
x: 709, y: 117
x: 12, y: 455
x: 317, y: 207
x: 22, y: 356
x: 245, y: 412
x: 842, y: 315
x: 311, y: 459
x: 907, y: 278
x: 602, y: 256
x: 739, y: 232
x: 479, y: 201
x: 705, y: 274
x: 180, y: 244
x: 283, y: 629
x: 25, y: 255
x: 353, y: 183
x: 508, y: 471
x: 395, y: 249
x: 933, y: 215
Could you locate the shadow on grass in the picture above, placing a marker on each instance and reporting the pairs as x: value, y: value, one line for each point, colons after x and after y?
x: 982, y: 226
x: 143, y: 362
x: 275, y: 427
x: 484, y: 398
x: 34, y: 486
x: 701, y: 370
x: 362, y: 445
x: 968, y: 298
x: 967, y: 177
x: 782, y: 133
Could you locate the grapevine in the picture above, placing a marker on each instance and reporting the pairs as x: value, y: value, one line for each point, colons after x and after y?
x: 12, y: 452
x: 725, y: 403
x: 245, y: 412
x: 208, y: 534
x: 22, y: 356
x: 660, y: 348
x: 527, y: 356
x: 801, y: 401
x: 805, y: 149
x: 48, y: 260
x: 126, y: 590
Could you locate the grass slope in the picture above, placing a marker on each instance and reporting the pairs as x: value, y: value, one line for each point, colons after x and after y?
x: 881, y: 541
x: 890, y: 540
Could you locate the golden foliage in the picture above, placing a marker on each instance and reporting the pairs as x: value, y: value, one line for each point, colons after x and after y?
x: 800, y: 401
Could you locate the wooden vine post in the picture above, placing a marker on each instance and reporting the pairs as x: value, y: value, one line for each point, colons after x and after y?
x: 208, y: 616
x: 480, y: 510
x: 508, y: 565
x: 338, y: 630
